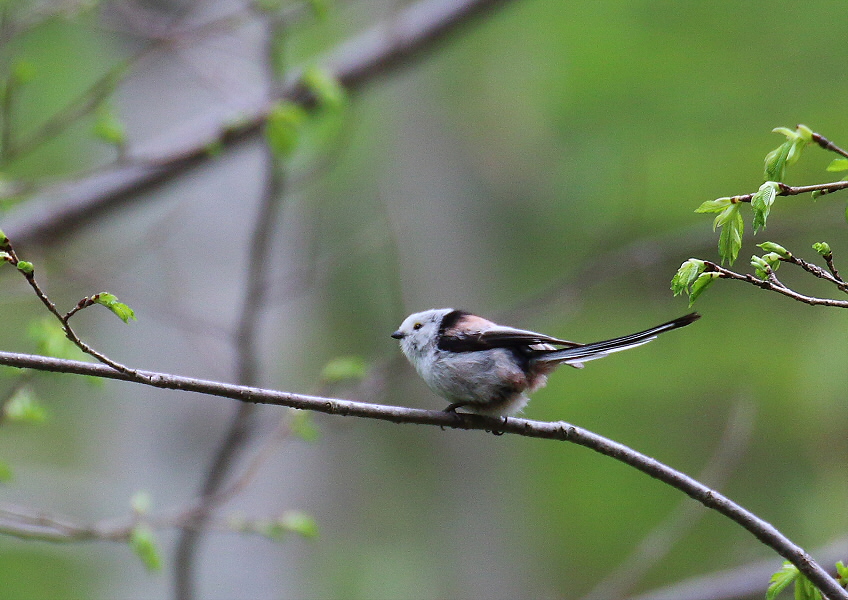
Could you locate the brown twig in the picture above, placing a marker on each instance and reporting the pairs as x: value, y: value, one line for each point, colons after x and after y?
x: 773, y: 284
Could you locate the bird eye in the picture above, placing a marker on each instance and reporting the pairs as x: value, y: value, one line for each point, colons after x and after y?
x: 418, y: 326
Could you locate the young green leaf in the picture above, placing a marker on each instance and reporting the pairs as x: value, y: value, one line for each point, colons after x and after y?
x: 50, y: 339
x: 776, y: 248
x: 703, y: 282
x: 686, y: 275
x: 838, y: 164
x: 23, y: 407
x: 775, y: 163
x: 713, y: 206
x: 762, y: 267
x: 109, y: 129
x: 141, y: 502
x: 4, y: 241
x: 25, y: 267
x: 282, y: 128
x: 805, y: 590
x: 343, y: 368
x: 6, y: 473
x: 22, y: 72
x: 299, y: 523
x: 143, y: 543
x: 302, y: 425
x: 823, y: 248
x: 804, y: 132
x: 761, y: 203
x: 725, y: 215
x: 110, y: 301
x: 781, y: 580
x: 842, y: 573
x: 730, y: 240
x: 328, y: 92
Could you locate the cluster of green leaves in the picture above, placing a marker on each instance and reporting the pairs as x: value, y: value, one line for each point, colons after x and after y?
x: 694, y: 276
x: 729, y: 217
x: 804, y: 589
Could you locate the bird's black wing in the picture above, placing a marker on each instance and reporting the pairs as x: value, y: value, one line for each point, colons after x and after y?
x: 499, y: 337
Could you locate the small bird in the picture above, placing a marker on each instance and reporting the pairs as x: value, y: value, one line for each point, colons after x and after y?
x: 490, y: 368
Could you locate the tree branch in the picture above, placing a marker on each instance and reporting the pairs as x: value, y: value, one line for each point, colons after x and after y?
x: 773, y: 284
x: 762, y: 530
x: 355, y: 63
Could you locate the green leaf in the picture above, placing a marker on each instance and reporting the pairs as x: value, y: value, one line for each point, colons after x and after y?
x: 143, y: 543
x: 4, y: 241
x: 838, y: 164
x: 712, y: 206
x: 730, y: 240
x: 329, y: 93
x: 775, y: 163
x: 776, y: 248
x: 781, y: 580
x: 789, y: 133
x: 141, y: 502
x: 25, y: 267
x: 795, y: 150
x: 22, y: 72
x: 23, y: 407
x: 805, y: 590
x: 50, y: 339
x: 823, y: 248
x: 299, y: 523
x: 703, y: 282
x: 761, y: 203
x: 6, y: 474
x: 282, y: 128
x: 344, y: 368
x: 725, y: 215
x: 276, y: 529
x: 842, y: 573
x: 109, y: 129
x: 686, y: 275
x: 804, y: 132
x: 302, y: 425
x: 761, y: 266
x: 110, y: 301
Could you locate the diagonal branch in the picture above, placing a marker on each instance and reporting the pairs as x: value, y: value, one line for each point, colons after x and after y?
x: 762, y: 530
x: 360, y: 61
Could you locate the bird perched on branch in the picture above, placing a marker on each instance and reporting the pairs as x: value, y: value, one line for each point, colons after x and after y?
x: 489, y: 368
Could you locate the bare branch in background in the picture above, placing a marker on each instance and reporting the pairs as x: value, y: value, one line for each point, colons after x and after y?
x: 362, y: 60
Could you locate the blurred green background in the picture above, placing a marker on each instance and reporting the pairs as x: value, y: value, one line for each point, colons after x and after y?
x: 542, y: 168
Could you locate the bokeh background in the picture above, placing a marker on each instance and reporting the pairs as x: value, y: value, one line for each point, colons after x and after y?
x: 540, y: 168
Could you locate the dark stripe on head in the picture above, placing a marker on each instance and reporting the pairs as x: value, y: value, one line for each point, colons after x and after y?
x: 451, y: 319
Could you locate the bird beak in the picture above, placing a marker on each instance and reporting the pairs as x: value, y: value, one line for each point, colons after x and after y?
x: 398, y: 335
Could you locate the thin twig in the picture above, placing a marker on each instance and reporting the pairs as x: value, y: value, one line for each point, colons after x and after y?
x: 773, y: 284
x: 828, y: 145
x: 762, y: 530
x: 788, y: 190
x: 832, y: 276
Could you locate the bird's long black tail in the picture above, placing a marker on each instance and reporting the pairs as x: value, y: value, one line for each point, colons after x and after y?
x: 581, y: 354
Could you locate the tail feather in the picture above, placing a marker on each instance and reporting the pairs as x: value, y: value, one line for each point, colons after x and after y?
x: 587, y: 352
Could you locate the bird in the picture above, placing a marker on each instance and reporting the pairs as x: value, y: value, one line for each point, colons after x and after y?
x: 488, y: 368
